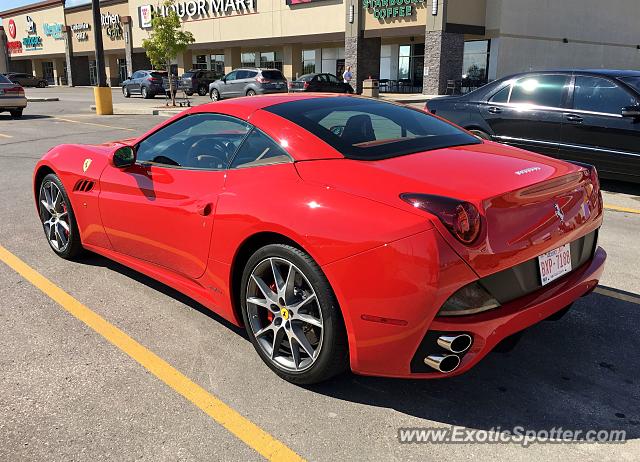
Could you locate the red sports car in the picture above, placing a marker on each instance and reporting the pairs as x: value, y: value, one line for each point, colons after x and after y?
x: 340, y: 231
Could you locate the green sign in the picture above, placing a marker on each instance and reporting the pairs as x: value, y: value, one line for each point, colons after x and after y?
x: 383, y: 9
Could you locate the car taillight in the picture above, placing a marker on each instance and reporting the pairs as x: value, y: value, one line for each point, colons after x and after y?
x: 290, y: 84
x: 15, y: 90
x: 461, y: 218
x: 261, y: 79
x: 306, y: 85
x: 153, y: 79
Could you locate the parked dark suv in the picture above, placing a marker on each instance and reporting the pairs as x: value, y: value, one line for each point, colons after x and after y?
x: 198, y: 81
x: 27, y: 80
x: 248, y: 82
x: 145, y: 83
x: 591, y: 116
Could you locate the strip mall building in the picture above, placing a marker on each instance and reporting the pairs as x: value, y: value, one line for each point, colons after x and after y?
x: 410, y: 45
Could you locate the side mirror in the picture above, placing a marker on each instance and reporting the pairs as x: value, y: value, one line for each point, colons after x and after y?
x: 631, y: 111
x: 124, y: 157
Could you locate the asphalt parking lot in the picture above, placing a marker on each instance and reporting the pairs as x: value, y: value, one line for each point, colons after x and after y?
x: 69, y: 393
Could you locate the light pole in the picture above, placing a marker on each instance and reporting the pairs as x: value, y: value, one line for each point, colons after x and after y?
x: 102, y: 92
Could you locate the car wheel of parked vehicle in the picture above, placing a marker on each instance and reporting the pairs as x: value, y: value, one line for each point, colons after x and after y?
x: 481, y: 134
x: 202, y: 90
x: 251, y: 93
x: 57, y: 218
x: 42, y: 84
x: 126, y: 92
x: 214, y: 95
x: 145, y: 93
x: 16, y: 114
x: 292, y: 316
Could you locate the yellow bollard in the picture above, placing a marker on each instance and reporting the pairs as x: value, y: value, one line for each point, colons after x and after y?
x: 104, y: 101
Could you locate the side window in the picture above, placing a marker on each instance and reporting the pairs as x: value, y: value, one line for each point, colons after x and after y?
x: 202, y: 141
x: 231, y: 75
x: 539, y: 90
x: 259, y: 149
x: 332, y: 78
x: 241, y: 75
x: 251, y: 74
x: 597, y: 94
x: 501, y: 96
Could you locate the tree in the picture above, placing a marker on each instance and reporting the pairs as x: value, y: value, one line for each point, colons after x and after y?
x: 166, y: 41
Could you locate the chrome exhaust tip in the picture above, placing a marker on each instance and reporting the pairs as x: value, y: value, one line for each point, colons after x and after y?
x: 448, y: 363
x: 455, y: 343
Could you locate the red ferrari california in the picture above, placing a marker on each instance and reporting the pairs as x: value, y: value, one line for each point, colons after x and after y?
x: 342, y: 232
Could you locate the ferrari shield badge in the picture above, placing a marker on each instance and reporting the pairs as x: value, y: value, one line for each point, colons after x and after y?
x: 85, y: 166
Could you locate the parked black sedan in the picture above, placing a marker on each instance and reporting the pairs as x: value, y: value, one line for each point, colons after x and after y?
x: 321, y: 83
x: 590, y: 116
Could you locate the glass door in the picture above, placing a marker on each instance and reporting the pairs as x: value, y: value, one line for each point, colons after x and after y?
x: 122, y: 70
x: 47, y: 72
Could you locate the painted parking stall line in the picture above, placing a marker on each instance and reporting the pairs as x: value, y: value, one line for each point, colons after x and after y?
x: 253, y: 436
x: 94, y: 124
x: 616, y: 208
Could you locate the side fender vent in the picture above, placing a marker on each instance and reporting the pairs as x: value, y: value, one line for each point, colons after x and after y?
x: 83, y: 185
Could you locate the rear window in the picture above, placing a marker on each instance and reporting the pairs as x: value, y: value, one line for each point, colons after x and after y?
x: 188, y: 74
x: 633, y: 82
x: 305, y: 78
x: 273, y: 75
x: 371, y: 130
x: 3, y: 79
x: 159, y: 75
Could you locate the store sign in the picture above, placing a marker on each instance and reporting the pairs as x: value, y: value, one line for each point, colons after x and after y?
x: 53, y: 30
x: 31, y: 26
x: 32, y: 43
x: 198, y: 9
x: 112, y: 24
x: 81, y: 30
x: 12, y: 28
x: 383, y: 9
x: 14, y: 47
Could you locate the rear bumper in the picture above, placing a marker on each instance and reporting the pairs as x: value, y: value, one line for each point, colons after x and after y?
x: 409, y: 280
x: 267, y: 91
x: 7, y: 103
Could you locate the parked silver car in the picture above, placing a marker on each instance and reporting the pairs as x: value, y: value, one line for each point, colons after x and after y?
x: 12, y: 98
x: 248, y: 82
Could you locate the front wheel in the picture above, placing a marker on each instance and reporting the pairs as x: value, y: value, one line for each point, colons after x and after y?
x: 292, y: 316
x: 202, y: 91
x: 42, y: 84
x: 58, y: 219
x: 214, y: 95
x: 126, y: 92
x: 145, y: 93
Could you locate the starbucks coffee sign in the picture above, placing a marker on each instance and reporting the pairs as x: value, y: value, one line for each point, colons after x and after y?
x: 197, y: 9
x: 383, y: 9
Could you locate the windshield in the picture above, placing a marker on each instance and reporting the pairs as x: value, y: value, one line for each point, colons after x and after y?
x: 633, y: 82
x: 366, y: 129
x: 305, y: 78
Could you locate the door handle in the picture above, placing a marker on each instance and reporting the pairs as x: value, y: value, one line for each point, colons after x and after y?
x: 204, y: 209
x: 573, y: 118
x: 494, y: 110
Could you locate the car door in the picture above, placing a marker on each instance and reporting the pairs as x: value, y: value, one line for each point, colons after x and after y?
x: 527, y: 112
x: 226, y: 85
x: 335, y: 85
x: 161, y: 209
x: 134, y: 83
x: 594, y: 129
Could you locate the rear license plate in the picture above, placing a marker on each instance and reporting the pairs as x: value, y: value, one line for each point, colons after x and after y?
x: 554, y: 264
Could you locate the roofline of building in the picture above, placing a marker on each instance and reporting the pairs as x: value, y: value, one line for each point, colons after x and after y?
x: 32, y: 7
x: 87, y: 6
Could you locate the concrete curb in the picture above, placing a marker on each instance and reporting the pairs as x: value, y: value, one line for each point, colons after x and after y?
x: 42, y: 100
x: 126, y: 110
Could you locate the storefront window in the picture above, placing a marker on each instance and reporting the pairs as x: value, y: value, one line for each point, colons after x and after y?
x: 217, y: 64
x: 201, y: 62
x: 476, y: 60
x: 271, y: 60
x: 248, y: 59
x: 404, y: 61
x: 410, y: 68
x: 308, y: 61
x: 47, y: 72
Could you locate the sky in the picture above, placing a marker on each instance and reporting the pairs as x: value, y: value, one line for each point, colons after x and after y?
x: 10, y: 4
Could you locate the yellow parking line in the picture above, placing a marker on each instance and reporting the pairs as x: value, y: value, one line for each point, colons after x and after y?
x: 615, y: 208
x: 2, y: 135
x: 94, y: 124
x: 620, y: 296
x: 252, y: 435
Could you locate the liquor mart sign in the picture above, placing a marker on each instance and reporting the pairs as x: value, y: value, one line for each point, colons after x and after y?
x: 390, y: 9
x: 198, y: 9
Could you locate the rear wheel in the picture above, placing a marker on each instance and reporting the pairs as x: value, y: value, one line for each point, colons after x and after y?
x: 251, y: 93
x: 57, y: 218
x: 292, y: 316
x: 16, y: 114
x: 145, y: 93
x: 481, y: 134
x: 42, y: 84
x: 126, y: 92
x: 214, y: 95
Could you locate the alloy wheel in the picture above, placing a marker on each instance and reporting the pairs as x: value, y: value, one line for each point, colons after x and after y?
x: 284, y: 314
x: 214, y: 95
x: 54, y: 213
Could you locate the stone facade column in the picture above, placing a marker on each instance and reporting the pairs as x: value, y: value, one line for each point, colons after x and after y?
x: 58, y: 70
x: 362, y: 54
x: 443, y: 56
x: 292, y: 61
x: 231, y: 59
x: 127, y: 23
x: 4, y: 54
x: 68, y: 55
